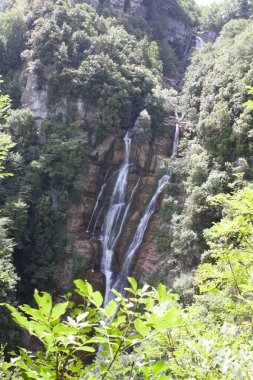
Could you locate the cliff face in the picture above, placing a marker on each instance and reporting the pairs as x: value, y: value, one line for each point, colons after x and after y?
x: 84, y: 248
x: 147, y: 158
x: 176, y: 28
x: 84, y: 251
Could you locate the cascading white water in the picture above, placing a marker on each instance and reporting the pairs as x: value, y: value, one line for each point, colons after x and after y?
x: 176, y: 137
x: 120, y: 281
x: 96, y: 205
x: 96, y: 221
x: 199, y: 42
x: 126, y: 211
x: 188, y: 46
x: 114, y: 218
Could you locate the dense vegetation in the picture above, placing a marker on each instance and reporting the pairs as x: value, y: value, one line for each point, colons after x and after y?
x: 217, y: 15
x: 216, y: 153
x: 152, y: 336
x: 73, y: 53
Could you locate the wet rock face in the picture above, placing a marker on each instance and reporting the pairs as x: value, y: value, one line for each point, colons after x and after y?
x: 84, y: 248
x: 177, y: 31
x: 146, y: 158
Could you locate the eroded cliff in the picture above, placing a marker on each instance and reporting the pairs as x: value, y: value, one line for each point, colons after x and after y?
x: 98, y: 102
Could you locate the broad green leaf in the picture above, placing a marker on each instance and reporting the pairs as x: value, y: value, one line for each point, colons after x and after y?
x: 163, y: 377
x: 44, y: 302
x: 97, y: 298
x: 20, y: 319
x: 111, y: 308
x: 64, y: 329
x: 87, y: 349
x: 98, y: 339
x: 81, y: 286
x: 35, y: 313
x: 89, y: 288
x: 167, y: 320
x: 162, y: 291
x: 133, y: 283
x: 59, y: 310
x: 141, y: 327
x: 146, y: 372
x: 159, y: 367
x: 39, y: 329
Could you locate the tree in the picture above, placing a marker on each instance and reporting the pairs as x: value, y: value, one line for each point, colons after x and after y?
x: 8, y: 276
x: 71, y: 334
x: 249, y: 103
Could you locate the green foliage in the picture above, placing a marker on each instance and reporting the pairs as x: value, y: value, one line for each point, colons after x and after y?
x: 168, y: 57
x: 217, y: 15
x: 217, y: 152
x: 148, y: 335
x: 8, y: 276
x: 94, y: 58
x: 159, y: 103
x: 215, y: 91
x: 71, y: 333
x: 142, y: 126
x: 186, y: 9
x: 12, y: 41
x: 46, y: 163
x: 249, y: 103
x: 230, y: 247
x: 183, y: 286
x: 5, y: 145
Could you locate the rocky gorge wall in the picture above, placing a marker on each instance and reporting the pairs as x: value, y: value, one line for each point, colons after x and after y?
x: 84, y: 250
x: 176, y: 28
x: 147, y: 159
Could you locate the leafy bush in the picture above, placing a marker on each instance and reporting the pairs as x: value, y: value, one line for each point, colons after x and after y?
x: 149, y: 335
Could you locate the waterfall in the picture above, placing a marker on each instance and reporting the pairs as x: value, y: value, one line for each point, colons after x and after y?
x: 176, y: 137
x: 96, y: 206
x: 199, y: 42
x: 126, y: 211
x: 188, y: 46
x: 115, y: 217
x: 121, y: 280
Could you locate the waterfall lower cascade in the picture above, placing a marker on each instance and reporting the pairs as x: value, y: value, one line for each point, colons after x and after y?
x: 121, y: 280
x: 116, y: 218
x: 176, y: 137
x: 199, y: 42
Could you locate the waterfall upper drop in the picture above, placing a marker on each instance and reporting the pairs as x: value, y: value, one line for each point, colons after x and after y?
x: 115, y: 218
x: 176, y: 137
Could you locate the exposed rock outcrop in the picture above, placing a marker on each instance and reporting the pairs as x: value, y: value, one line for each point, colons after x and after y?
x: 147, y: 158
x: 176, y: 27
x: 84, y: 252
x: 84, y: 248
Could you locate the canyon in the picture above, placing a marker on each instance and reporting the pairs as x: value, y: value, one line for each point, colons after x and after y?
x: 86, y: 216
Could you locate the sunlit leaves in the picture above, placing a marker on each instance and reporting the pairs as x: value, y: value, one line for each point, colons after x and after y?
x: 116, y: 330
